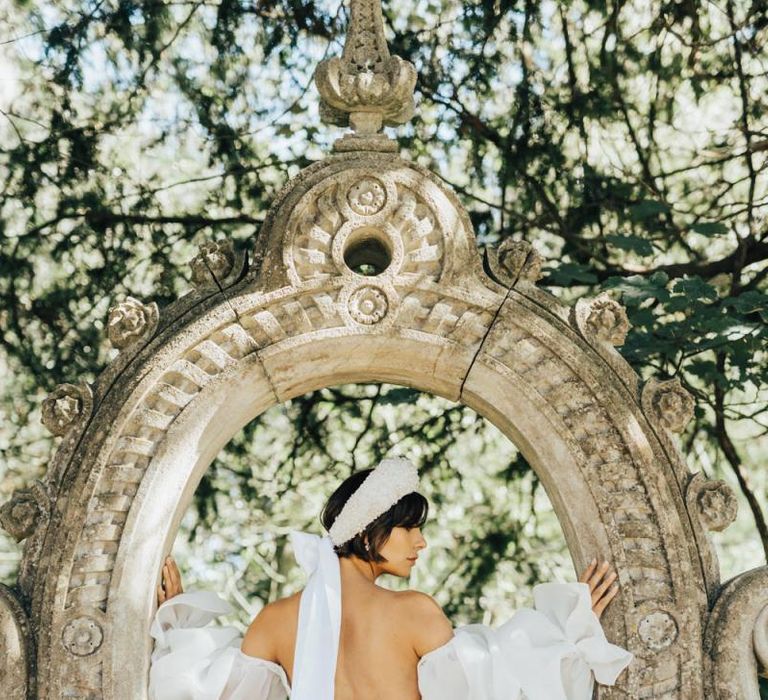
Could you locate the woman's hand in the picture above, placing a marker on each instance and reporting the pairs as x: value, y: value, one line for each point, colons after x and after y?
x: 171, y: 584
x: 599, y: 580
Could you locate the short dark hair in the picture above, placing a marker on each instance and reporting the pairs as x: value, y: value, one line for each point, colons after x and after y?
x: 410, y: 511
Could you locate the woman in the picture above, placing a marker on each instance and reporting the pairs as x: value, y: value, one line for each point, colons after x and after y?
x: 345, y: 638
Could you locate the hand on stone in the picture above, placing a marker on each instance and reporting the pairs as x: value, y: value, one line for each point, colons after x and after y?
x: 171, y: 584
x: 600, y: 580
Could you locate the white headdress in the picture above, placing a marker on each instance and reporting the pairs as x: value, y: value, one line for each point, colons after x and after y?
x: 392, y: 479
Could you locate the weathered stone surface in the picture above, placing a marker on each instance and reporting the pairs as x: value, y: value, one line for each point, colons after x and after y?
x: 25, y: 512
x: 668, y: 403
x: 130, y: 321
x: 66, y: 407
x: 513, y: 261
x: 214, y: 263
x: 15, y: 648
x: 602, y: 319
x: 735, y: 637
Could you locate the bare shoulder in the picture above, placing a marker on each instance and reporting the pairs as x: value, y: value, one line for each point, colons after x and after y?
x: 263, y: 638
x: 430, y: 627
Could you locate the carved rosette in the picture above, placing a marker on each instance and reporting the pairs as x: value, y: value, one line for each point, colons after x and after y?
x: 130, y: 321
x: 368, y: 305
x: 657, y: 630
x: 214, y: 259
x: 82, y: 636
x: 65, y: 407
x: 514, y: 261
x: 27, y: 510
x: 668, y: 403
x: 367, y: 196
x: 602, y: 319
x: 716, y: 504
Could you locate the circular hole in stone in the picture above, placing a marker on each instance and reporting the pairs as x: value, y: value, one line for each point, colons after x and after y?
x: 367, y: 253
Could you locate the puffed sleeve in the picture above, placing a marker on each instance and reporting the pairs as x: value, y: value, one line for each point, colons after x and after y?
x: 192, y: 661
x: 554, y: 652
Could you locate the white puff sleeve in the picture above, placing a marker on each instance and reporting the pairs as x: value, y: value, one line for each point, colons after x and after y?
x: 554, y: 652
x: 192, y: 661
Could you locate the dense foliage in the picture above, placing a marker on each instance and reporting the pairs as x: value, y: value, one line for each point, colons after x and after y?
x: 627, y: 140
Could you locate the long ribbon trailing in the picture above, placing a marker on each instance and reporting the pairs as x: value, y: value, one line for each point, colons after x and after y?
x: 317, y: 639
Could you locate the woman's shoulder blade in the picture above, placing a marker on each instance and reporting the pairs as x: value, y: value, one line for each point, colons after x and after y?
x: 429, y: 625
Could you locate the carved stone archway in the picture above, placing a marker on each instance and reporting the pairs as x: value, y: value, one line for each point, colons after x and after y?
x: 430, y: 314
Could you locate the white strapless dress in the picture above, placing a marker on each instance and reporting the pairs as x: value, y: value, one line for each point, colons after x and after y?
x: 554, y: 652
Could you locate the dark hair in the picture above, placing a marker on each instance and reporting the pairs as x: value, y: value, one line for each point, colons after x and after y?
x: 410, y: 511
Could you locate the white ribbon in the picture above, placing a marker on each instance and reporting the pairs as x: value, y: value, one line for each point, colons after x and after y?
x: 317, y: 638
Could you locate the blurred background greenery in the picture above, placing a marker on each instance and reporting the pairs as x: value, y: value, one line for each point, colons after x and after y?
x: 626, y: 140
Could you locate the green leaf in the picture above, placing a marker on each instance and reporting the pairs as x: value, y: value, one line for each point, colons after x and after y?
x: 749, y: 302
x: 634, y: 244
x: 636, y: 289
x: 710, y: 228
x: 565, y: 274
x: 695, y: 289
x: 399, y: 396
x: 647, y: 209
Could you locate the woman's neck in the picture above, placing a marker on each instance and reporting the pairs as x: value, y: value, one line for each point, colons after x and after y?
x: 358, y: 571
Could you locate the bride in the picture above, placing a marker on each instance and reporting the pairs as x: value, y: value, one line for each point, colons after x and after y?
x: 345, y: 638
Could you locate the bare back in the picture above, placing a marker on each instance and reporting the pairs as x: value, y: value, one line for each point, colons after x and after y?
x: 383, y: 635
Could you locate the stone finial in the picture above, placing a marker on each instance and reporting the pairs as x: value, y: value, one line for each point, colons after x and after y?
x: 24, y: 512
x: 513, y: 261
x: 366, y: 88
x: 214, y: 258
x: 64, y: 407
x: 669, y: 403
x: 717, y: 505
x: 602, y: 319
x: 130, y: 321
x: 607, y: 320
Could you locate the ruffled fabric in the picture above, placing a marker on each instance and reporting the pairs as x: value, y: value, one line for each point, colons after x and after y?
x: 194, y: 662
x: 554, y: 652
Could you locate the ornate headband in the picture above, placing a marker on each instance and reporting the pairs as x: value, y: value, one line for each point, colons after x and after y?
x: 392, y: 479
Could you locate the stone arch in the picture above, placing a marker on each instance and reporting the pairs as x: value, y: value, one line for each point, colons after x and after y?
x: 433, y: 315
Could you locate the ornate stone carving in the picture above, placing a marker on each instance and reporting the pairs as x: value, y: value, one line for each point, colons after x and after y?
x: 367, y: 196
x: 365, y: 88
x: 16, y: 647
x: 717, y: 505
x: 368, y: 305
x: 65, y: 407
x: 735, y: 637
x: 27, y: 509
x: 608, y: 320
x: 669, y: 403
x: 215, y: 258
x: 82, y: 636
x: 658, y: 630
x: 350, y: 208
x: 513, y: 261
x: 603, y: 319
x: 130, y: 321
x: 761, y: 642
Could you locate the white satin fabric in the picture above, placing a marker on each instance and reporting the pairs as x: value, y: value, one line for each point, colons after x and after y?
x: 552, y: 653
